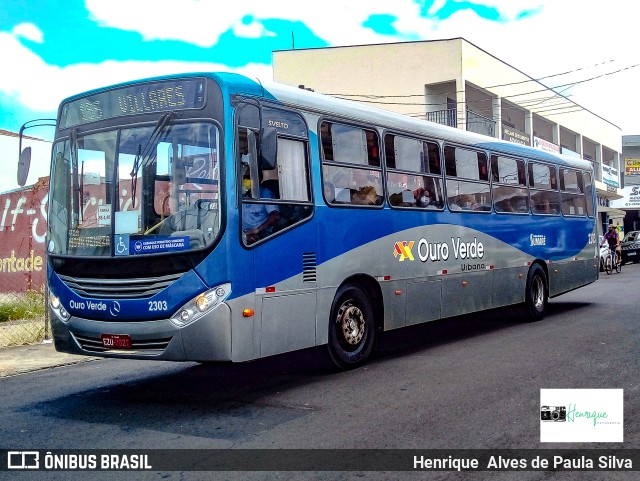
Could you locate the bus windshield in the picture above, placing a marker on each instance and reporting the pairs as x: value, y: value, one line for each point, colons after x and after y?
x: 135, y: 191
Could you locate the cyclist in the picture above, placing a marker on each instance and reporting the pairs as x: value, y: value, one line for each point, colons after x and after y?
x: 612, y: 238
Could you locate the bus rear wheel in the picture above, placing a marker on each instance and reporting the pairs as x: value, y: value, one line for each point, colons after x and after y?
x: 351, y: 328
x: 536, y: 294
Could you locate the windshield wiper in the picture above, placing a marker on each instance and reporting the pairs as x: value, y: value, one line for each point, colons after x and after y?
x: 73, y: 153
x: 143, y: 153
x: 134, y: 175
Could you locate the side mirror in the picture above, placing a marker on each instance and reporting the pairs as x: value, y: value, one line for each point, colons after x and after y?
x: 268, y: 148
x: 24, y: 163
x: 24, y: 160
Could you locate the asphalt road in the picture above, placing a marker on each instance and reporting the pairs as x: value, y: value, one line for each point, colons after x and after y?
x: 468, y: 382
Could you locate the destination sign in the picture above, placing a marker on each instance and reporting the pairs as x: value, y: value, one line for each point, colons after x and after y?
x: 134, y: 99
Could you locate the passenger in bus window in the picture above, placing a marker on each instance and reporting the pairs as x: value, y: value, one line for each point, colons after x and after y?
x: 519, y: 204
x: 329, y: 192
x: 544, y: 207
x: 365, y: 196
x: 257, y: 219
x: 363, y: 191
x: 425, y: 198
x: 467, y: 202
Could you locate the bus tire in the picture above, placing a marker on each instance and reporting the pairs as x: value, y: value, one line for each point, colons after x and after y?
x: 536, y: 294
x: 351, y: 328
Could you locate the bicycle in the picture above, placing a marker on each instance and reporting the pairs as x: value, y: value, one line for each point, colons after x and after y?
x: 612, y: 261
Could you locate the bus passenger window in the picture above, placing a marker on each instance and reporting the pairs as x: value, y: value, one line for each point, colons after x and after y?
x: 351, y: 165
x: 468, y: 186
x: 543, y: 185
x: 408, y: 162
x: 509, y: 186
x: 572, y: 192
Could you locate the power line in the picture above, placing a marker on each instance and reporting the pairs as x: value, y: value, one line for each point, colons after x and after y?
x: 524, y: 103
x: 373, y: 96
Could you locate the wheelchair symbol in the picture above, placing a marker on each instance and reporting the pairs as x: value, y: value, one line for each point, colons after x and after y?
x: 122, y: 247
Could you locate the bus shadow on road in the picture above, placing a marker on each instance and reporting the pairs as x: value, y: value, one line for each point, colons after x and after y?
x: 236, y: 402
x: 422, y: 337
x: 224, y: 401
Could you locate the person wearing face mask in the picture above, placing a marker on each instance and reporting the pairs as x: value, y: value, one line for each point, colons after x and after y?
x: 257, y: 219
x: 425, y: 199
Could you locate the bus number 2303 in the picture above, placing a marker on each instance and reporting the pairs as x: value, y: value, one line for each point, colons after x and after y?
x: 158, y: 305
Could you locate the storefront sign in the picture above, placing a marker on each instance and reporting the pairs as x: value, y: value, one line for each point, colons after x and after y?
x: 630, y: 199
x: 610, y: 175
x: 516, y: 136
x: 545, y: 145
x: 631, y: 166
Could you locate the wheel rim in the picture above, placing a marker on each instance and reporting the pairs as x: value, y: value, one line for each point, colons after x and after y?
x: 350, y: 322
x: 537, y: 291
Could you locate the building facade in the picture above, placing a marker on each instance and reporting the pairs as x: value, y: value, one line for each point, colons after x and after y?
x: 630, y: 201
x: 456, y: 83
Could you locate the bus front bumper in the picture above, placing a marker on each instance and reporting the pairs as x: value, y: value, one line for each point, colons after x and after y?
x: 207, y: 339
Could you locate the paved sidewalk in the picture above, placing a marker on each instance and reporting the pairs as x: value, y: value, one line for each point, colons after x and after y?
x: 23, y: 359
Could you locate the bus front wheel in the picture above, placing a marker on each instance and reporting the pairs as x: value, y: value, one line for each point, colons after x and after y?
x: 351, y: 328
x: 537, y: 294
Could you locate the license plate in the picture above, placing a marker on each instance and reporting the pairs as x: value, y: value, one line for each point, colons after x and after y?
x: 116, y: 341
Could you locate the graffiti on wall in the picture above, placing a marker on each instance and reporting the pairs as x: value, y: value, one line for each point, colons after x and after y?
x: 23, y: 227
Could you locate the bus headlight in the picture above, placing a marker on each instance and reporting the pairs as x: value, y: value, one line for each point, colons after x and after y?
x: 200, y: 305
x: 58, y: 309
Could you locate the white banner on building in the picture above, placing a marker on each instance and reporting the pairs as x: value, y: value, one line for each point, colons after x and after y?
x: 542, y: 144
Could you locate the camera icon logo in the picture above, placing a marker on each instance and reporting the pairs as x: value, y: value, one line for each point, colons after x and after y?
x: 553, y: 413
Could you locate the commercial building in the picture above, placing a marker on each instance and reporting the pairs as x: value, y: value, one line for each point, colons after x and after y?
x: 456, y: 83
x: 630, y: 201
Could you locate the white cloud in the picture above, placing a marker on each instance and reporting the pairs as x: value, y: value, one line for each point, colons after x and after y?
x: 201, y: 22
x: 41, y: 87
x: 561, y: 37
x: 29, y: 31
x: 253, y: 30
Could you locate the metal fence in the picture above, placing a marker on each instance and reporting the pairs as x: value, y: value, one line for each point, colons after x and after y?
x: 23, y: 317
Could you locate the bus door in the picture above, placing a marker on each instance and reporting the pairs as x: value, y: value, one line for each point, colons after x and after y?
x: 276, y: 203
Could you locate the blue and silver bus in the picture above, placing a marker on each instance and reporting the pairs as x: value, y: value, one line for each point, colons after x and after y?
x: 212, y: 217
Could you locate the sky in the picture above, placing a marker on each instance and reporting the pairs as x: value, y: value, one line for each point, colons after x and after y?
x: 51, y: 49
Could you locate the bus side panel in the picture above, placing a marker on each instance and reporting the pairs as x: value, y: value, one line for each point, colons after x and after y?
x: 571, y: 274
x: 509, y: 285
x: 424, y: 301
x: 323, y: 312
x: 285, y: 274
x: 467, y: 292
x: 287, y: 322
x: 245, y: 331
